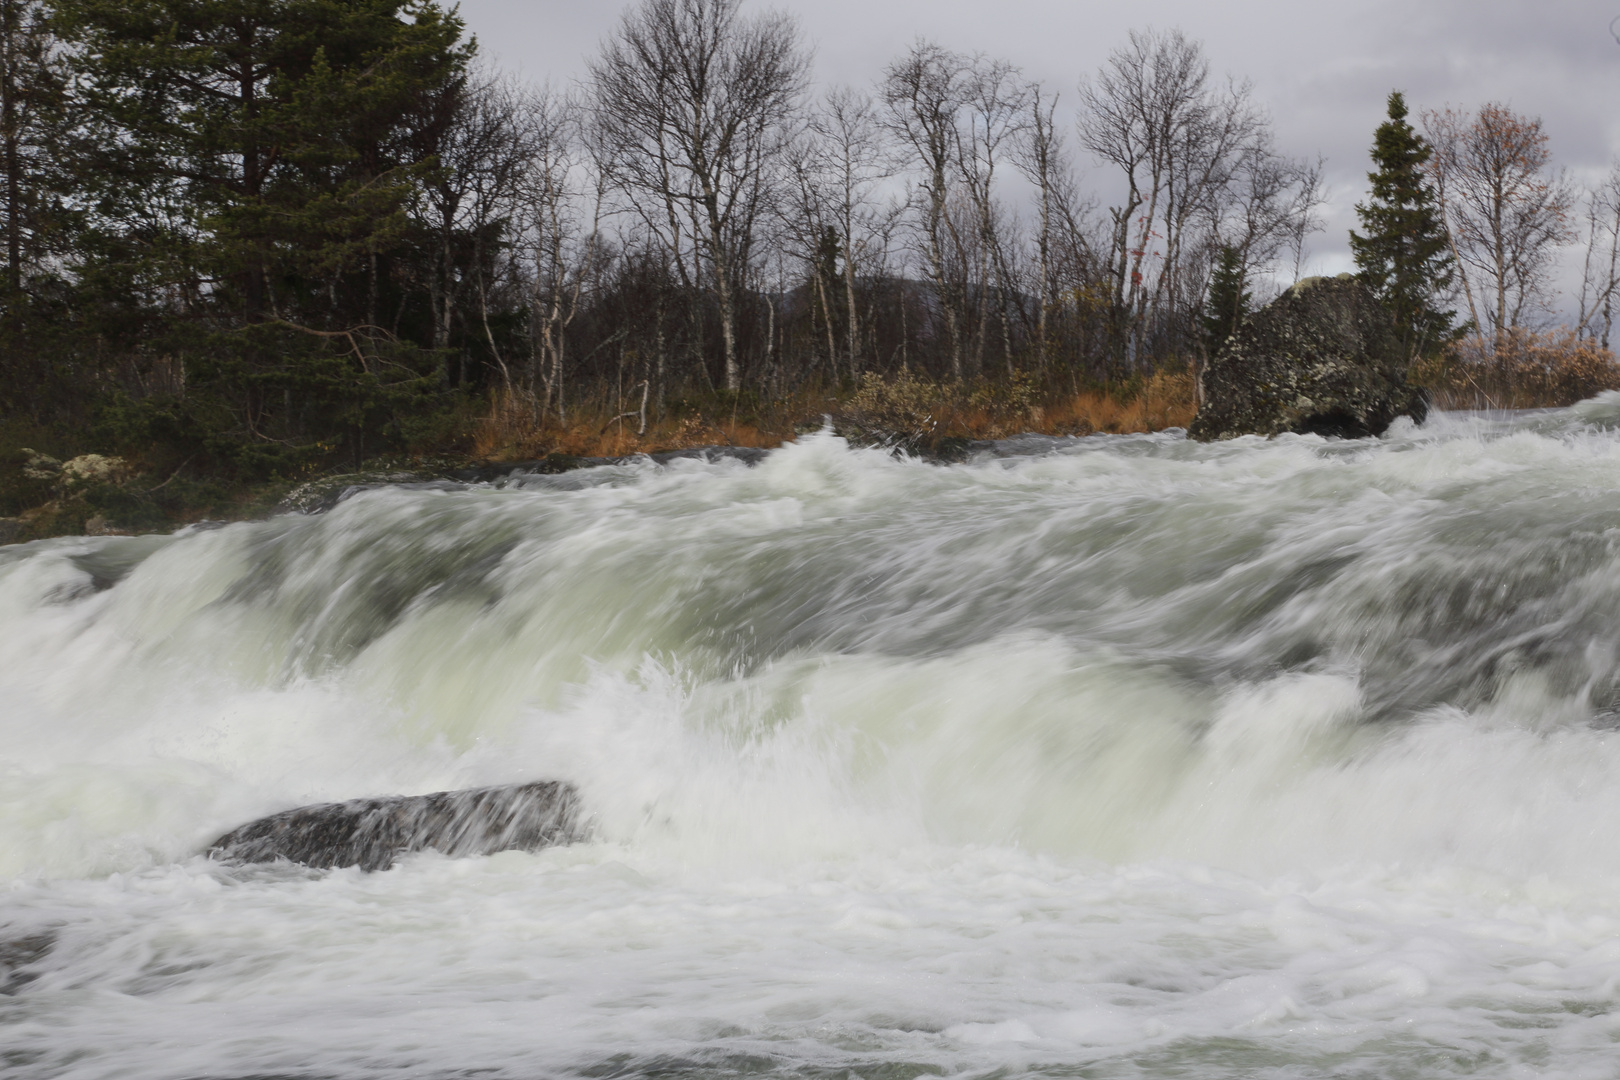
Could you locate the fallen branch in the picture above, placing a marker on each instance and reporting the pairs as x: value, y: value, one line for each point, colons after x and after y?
x: 172, y: 475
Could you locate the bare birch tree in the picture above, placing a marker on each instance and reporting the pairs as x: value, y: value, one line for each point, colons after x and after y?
x: 1064, y: 251
x: 853, y: 164
x: 1271, y: 208
x: 562, y: 201
x: 699, y: 106
x: 1152, y: 114
x: 485, y: 140
x: 924, y: 93
x: 33, y: 93
x: 993, y: 120
x: 1505, y: 213
x: 1600, y: 269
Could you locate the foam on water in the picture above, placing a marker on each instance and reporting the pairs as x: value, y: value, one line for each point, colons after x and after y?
x: 1118, y: 756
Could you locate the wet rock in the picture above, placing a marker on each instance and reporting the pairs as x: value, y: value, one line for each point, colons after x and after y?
x: 748, y: 455
x: 1322, y: 358
x: 19, y: 955
x: 320, y: 495
x: 371, y: 833
x: 98, y: 525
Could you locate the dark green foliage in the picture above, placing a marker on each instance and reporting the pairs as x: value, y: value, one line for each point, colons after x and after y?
x: 34, y: 220
x: 1404, y: 257
x: 1228, y: 300
x: 18, y: 489
x: 249, y: 186
x: 37, y: 222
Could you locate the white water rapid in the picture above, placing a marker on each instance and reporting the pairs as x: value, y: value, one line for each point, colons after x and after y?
x: 1109, y: 757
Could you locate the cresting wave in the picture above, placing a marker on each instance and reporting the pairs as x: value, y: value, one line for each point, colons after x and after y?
x: 1124, y: 754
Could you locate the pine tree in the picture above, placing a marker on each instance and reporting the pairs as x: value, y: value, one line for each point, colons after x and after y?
x: 1404, y: 256
x: 252, y: 184
x: 33, y: 86
x: 36, y: 216
x: 1228, y: 300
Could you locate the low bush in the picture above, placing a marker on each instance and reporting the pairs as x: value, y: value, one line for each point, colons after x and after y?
x: 1522, y: 370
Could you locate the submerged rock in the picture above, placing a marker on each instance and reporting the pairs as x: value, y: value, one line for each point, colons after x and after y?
x: 1322, y: 358
x: 371, y: 833
x: 18, y: 955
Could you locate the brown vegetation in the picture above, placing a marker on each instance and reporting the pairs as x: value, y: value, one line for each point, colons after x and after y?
x: 1525, y: 370
x: 910, y: 408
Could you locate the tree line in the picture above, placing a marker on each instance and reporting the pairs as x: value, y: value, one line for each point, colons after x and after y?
x: 268, y: 234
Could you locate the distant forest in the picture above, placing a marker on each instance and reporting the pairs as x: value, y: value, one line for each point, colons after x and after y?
x: 257, y: 237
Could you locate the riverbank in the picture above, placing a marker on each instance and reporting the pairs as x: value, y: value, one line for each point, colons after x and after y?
x: 56, y: 484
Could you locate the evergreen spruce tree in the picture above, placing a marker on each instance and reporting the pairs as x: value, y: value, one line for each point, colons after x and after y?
x: 1403, y: 254
x: 252, y: 171
x: 1228, y: 300
x: 33, y: 96
x: 37, y: 216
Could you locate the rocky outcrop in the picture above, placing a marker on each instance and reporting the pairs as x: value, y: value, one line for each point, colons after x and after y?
x: 371, y: 833
x: 1322, y: 358
x: 82, y: 470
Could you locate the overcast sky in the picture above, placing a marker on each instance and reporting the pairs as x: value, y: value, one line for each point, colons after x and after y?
x: 1322, y: 70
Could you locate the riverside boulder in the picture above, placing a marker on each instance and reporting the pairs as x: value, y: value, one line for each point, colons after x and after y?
x: 1322, y: 358
x: 371, y: 833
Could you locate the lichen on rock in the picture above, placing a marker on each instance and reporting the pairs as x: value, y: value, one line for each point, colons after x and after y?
x: 1322, y: 358
x: 94, y: 469
x: 40, y: 466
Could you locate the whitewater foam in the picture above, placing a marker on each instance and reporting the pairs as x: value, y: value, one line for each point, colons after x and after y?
x: 1267, y: 758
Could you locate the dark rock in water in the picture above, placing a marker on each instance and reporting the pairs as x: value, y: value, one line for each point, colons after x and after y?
x: 748, y: 455
x: 370, y: 833
x: 1322, y: 358
x: 18, y: 955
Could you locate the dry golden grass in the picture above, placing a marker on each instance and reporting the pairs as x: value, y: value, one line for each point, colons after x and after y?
x: 513, y: 427
x: 1166, y: 400
x: 1526, y: 371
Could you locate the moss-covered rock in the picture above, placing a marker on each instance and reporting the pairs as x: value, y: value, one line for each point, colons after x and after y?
x: 1321, y: 358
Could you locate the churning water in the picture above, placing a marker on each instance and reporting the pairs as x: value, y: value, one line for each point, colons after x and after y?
x: 1110, y: 757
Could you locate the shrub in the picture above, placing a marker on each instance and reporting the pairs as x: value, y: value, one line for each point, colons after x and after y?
x: 1524, y: 370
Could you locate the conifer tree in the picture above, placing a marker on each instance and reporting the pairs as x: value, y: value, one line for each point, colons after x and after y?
x: 1403, y: 255
x: 33, y: 87
x: 1228, y: 300
x: 36, y: 218
x: 251, y: 178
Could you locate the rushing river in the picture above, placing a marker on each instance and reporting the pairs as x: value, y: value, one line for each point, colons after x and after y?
x: 1111, y: 757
